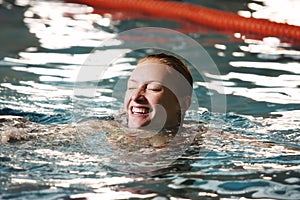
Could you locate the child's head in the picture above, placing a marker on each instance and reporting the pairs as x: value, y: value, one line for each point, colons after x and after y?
x: 158, y: 92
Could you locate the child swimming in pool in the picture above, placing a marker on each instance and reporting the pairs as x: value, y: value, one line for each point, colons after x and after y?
x: 158, y: 94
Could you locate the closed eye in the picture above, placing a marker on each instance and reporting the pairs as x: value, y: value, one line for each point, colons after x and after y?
x: 155, y: 87
x: 132, y: 84
x: 131, y: 88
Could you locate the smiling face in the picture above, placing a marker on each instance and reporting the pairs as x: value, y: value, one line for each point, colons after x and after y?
x: 151, y: 100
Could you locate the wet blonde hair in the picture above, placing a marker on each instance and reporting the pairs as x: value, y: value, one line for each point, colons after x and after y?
x: 171, y: 61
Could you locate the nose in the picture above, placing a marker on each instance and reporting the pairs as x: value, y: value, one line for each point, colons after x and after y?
x: 139, y: 94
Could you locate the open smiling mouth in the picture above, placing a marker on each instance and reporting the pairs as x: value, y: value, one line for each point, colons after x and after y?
x: 140, y: 110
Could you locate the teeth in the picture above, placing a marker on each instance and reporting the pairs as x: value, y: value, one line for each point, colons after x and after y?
x: 140, y: 110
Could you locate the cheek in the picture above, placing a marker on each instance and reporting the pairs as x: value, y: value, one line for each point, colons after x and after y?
x: 171, y: 101
x: 161, y: 99
x: 156, y: 99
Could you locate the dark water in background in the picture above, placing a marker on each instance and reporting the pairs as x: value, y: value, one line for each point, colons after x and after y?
x: 41, y: 51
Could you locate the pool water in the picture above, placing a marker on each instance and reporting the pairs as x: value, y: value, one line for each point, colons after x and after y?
x: 253, y: 154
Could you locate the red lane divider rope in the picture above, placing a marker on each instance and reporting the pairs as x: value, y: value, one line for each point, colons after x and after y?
x: 210, y: 17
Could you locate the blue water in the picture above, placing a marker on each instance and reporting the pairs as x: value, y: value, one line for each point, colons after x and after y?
x: 257, y: 156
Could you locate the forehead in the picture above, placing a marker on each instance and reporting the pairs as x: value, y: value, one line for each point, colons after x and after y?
x: 152, y: 71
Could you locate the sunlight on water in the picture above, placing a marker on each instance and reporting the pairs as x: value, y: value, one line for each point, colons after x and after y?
x: 44, y: 58
x: 257, y: 187
x: 282, y: 89
x: 278, y: 11
x: 288, y: 67
x: 270, y: 48
x: 70, y: 25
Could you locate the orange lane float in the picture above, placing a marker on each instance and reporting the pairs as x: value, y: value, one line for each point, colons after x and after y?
x: 206, y: 16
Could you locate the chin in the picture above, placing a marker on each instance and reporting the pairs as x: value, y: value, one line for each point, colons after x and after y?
x: 132, y: 124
